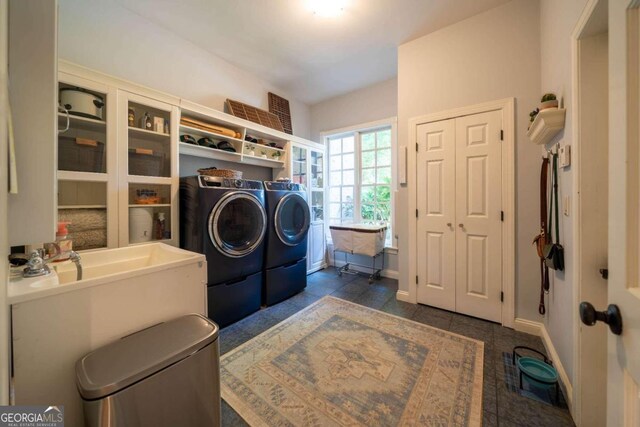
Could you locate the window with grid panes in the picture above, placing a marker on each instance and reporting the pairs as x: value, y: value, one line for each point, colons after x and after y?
x: 360, y: 178
x: 342, y: 173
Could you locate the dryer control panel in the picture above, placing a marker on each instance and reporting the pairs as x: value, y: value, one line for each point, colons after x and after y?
x: 283, y: 186
x: 220, y: 182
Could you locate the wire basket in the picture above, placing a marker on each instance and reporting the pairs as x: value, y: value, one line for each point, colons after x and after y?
x: 223, y: 173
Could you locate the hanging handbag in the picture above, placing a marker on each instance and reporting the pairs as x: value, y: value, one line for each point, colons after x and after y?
x: 554, y: 252
x: 541, y: 239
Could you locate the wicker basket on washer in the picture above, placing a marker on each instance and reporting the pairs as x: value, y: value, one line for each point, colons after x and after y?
x: 222, y: 173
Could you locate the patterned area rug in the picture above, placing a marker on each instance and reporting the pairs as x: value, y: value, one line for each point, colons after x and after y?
x: 336, y: 363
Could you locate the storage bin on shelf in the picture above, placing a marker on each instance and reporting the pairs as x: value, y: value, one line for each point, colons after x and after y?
x: 81, y: 155
x: 360, y: 239
x: 145, y: 162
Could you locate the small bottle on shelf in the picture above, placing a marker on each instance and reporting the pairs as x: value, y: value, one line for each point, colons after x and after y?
x: 160, y: 226
x: 146, y: 122
x: 132, y: 117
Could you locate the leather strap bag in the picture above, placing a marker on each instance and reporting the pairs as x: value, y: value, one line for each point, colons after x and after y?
x: 541, y: 239
x: 554, y: 252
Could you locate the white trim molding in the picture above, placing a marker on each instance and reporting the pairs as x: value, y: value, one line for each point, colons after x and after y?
x: 538, y: 329
x: 576, y: 232
x: 507, y: 106
x: 403, y: 296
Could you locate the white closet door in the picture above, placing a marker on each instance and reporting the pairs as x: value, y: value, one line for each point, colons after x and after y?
x: 436, y: 219
x: 478, y: 215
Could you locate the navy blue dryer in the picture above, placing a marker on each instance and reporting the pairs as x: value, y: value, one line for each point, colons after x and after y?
x: 226, y: 220
x: 286, y: 254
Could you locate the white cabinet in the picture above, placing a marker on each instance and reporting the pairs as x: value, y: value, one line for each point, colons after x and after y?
x: 87, y: 166
x: 116, y: 179
x: 148, y: 170
x: 308, y: 167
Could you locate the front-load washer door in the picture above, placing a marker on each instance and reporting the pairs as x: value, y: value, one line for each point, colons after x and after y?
x: 292, y: 219
x: 237, y: 224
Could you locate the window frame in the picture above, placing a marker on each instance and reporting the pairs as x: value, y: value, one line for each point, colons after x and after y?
x: 357, y: 132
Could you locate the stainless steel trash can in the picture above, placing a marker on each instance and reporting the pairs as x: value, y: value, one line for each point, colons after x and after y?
x: 165, y: 375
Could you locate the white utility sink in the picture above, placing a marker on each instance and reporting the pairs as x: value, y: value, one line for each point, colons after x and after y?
x: 99, y: 267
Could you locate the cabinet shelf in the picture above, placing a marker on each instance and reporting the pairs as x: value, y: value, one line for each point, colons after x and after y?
x: 204, y: 133
x: 79, y: 122
x: 149, y: 180
x: 157, y: 205
x: 260, y: 161
x: 547, y: 124
x: 209, y: 153
x: 83, y: 207
x: 264, y: 147
x: 82, y: 176
x: 148, y: 133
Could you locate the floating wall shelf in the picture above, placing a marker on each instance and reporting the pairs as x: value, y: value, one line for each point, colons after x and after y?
x: 546, y: 125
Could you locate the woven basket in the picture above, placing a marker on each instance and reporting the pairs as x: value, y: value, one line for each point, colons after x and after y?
x: 223, y: 173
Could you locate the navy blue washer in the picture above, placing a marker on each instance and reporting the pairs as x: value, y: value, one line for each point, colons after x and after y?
x: 225, y: 219
x: 286, y: 247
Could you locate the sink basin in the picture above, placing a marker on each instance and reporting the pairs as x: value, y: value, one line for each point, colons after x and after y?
x: 102, y: 263
x: 99, y: 267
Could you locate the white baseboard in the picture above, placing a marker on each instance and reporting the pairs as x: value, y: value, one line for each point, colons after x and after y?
x: 391, y: 274
x: 403, y: 296
x: 538, y: 329
x: 528, y: 326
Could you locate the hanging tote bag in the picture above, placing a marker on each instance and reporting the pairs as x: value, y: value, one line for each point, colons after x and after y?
x: 554, y: 252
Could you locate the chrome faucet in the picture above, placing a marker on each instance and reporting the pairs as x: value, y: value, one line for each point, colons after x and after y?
x: 38, y: 264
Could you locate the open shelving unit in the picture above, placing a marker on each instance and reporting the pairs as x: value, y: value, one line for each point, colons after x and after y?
x: 247, y: 152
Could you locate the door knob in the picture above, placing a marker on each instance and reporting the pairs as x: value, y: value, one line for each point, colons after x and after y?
x: 611, y: 317
x: 461, y: 225
x: 449, y: 224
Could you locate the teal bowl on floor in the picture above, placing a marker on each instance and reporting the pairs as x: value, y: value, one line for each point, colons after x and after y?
x: 538, y: 370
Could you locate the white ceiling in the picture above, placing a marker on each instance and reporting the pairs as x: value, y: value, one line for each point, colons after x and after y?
x: 313, y: 58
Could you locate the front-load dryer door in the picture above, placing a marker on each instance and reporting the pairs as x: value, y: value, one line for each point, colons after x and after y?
x: 237, y: 224
x: 292, y: 219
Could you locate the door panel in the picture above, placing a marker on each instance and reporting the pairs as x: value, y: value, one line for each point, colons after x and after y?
x: 478, y: 192
x: 623, y: 406
x: 436, y: 204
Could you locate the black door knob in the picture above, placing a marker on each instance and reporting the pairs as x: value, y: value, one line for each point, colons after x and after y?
x: 611, y: 317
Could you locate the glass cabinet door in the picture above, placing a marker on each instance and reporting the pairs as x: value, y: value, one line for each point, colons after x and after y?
x: 317, y: 186
x: 299, y: 165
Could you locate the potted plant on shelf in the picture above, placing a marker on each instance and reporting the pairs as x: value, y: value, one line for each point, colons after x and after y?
x: 276, y: 155
x: 548, y: 100
x: 250, y: 150
x: 263, y: 154
x: 532, y: 116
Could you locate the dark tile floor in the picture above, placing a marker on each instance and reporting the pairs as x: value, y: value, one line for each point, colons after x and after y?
x: 501, y: 407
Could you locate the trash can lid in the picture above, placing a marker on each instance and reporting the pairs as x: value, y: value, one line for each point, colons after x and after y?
x: 126, y: 361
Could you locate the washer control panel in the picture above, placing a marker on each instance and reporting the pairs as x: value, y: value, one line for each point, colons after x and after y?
x: 283, y: 186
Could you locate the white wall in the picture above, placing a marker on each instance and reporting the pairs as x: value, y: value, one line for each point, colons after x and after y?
x: 487, y: 57
x: 557, y: 22
x: 375, y: 102
x: 102, y: 35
